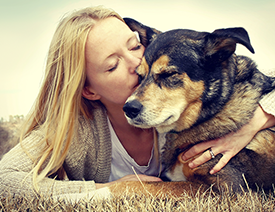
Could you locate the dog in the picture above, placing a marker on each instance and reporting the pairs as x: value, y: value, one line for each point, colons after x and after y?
x: 195, y: 88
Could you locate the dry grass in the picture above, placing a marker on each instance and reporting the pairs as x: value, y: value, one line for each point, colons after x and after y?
x: 247, y: 201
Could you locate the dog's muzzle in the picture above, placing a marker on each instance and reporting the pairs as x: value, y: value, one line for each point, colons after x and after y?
x: 132, y: 108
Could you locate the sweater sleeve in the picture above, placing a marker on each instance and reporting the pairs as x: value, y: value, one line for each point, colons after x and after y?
x: 15, y: 177
x: 268, y: 101
x: 88, y: 161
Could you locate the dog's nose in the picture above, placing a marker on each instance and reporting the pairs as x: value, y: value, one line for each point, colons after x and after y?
x: 132, y: 108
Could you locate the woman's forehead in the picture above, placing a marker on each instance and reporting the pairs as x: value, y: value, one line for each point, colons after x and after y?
x: 107, y: 38
x: 107, y: 35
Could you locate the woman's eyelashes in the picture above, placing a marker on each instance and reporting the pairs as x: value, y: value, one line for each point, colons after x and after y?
x: 137, y: 47
x: 113, y: 68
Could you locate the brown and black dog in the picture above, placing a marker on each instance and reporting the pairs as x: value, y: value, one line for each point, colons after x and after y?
x: 193, y: 86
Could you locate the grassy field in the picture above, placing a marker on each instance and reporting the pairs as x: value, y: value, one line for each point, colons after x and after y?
x: 245, y: 201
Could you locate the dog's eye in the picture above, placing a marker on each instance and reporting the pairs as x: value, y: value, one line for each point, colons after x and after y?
x: 168, y: 79
x: 166, y: 75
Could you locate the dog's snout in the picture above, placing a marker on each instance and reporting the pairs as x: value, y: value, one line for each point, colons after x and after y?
x: 132, y: 108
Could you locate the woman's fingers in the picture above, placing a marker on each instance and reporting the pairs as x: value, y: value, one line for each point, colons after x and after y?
x: 204, y: 157
x: 222, y: 162
x: 197, y: 149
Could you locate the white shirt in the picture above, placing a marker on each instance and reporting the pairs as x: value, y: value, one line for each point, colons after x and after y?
x: 123, y: 164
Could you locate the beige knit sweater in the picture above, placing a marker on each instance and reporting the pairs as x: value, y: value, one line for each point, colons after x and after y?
x: 88, y: 160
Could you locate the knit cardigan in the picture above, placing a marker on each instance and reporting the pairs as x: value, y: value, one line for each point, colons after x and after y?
x: 87, y: 162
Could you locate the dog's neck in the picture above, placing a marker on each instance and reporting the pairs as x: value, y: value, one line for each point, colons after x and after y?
x: 218, y: 90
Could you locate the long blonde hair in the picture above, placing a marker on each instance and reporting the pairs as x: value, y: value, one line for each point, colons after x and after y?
x: 60, y: 102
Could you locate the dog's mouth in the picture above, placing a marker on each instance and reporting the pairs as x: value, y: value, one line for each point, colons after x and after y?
x: 147, y: 121
x: 139, y: 122
x: 168, y: 119
x: 141, y: 115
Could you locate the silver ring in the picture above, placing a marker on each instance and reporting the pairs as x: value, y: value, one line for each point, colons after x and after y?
x: 211, y: 153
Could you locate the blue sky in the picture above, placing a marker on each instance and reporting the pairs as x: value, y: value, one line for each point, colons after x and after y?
x: 27, y: 27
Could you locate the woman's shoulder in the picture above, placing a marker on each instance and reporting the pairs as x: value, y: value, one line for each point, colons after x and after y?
x: 97, y: 119
x: 94, y: 127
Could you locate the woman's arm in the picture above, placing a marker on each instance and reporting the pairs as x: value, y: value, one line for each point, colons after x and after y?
x: 230, y: 144
x: 16, y: 177
x: 17, y: 180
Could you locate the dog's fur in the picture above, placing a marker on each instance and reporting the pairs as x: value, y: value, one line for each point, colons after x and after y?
x: 195, y: 87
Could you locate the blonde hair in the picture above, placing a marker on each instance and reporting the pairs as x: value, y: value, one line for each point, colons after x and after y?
x: 60, y: 103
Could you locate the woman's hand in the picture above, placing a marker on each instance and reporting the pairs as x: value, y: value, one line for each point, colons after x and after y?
x: 230, y: 144
x: 139, y: 177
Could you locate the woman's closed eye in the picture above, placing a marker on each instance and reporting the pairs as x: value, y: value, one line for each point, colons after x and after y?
x: 113, y: 67
x: 137, y: 47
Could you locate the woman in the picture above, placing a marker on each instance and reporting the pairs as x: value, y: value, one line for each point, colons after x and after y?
x: 89, y: 75
x: 77, y: 129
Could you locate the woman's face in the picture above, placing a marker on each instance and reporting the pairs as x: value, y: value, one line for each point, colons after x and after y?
x: 113, y: 52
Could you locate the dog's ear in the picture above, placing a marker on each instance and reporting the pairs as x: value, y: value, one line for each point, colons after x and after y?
x: 146, y: 34
x: 221, y: 44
